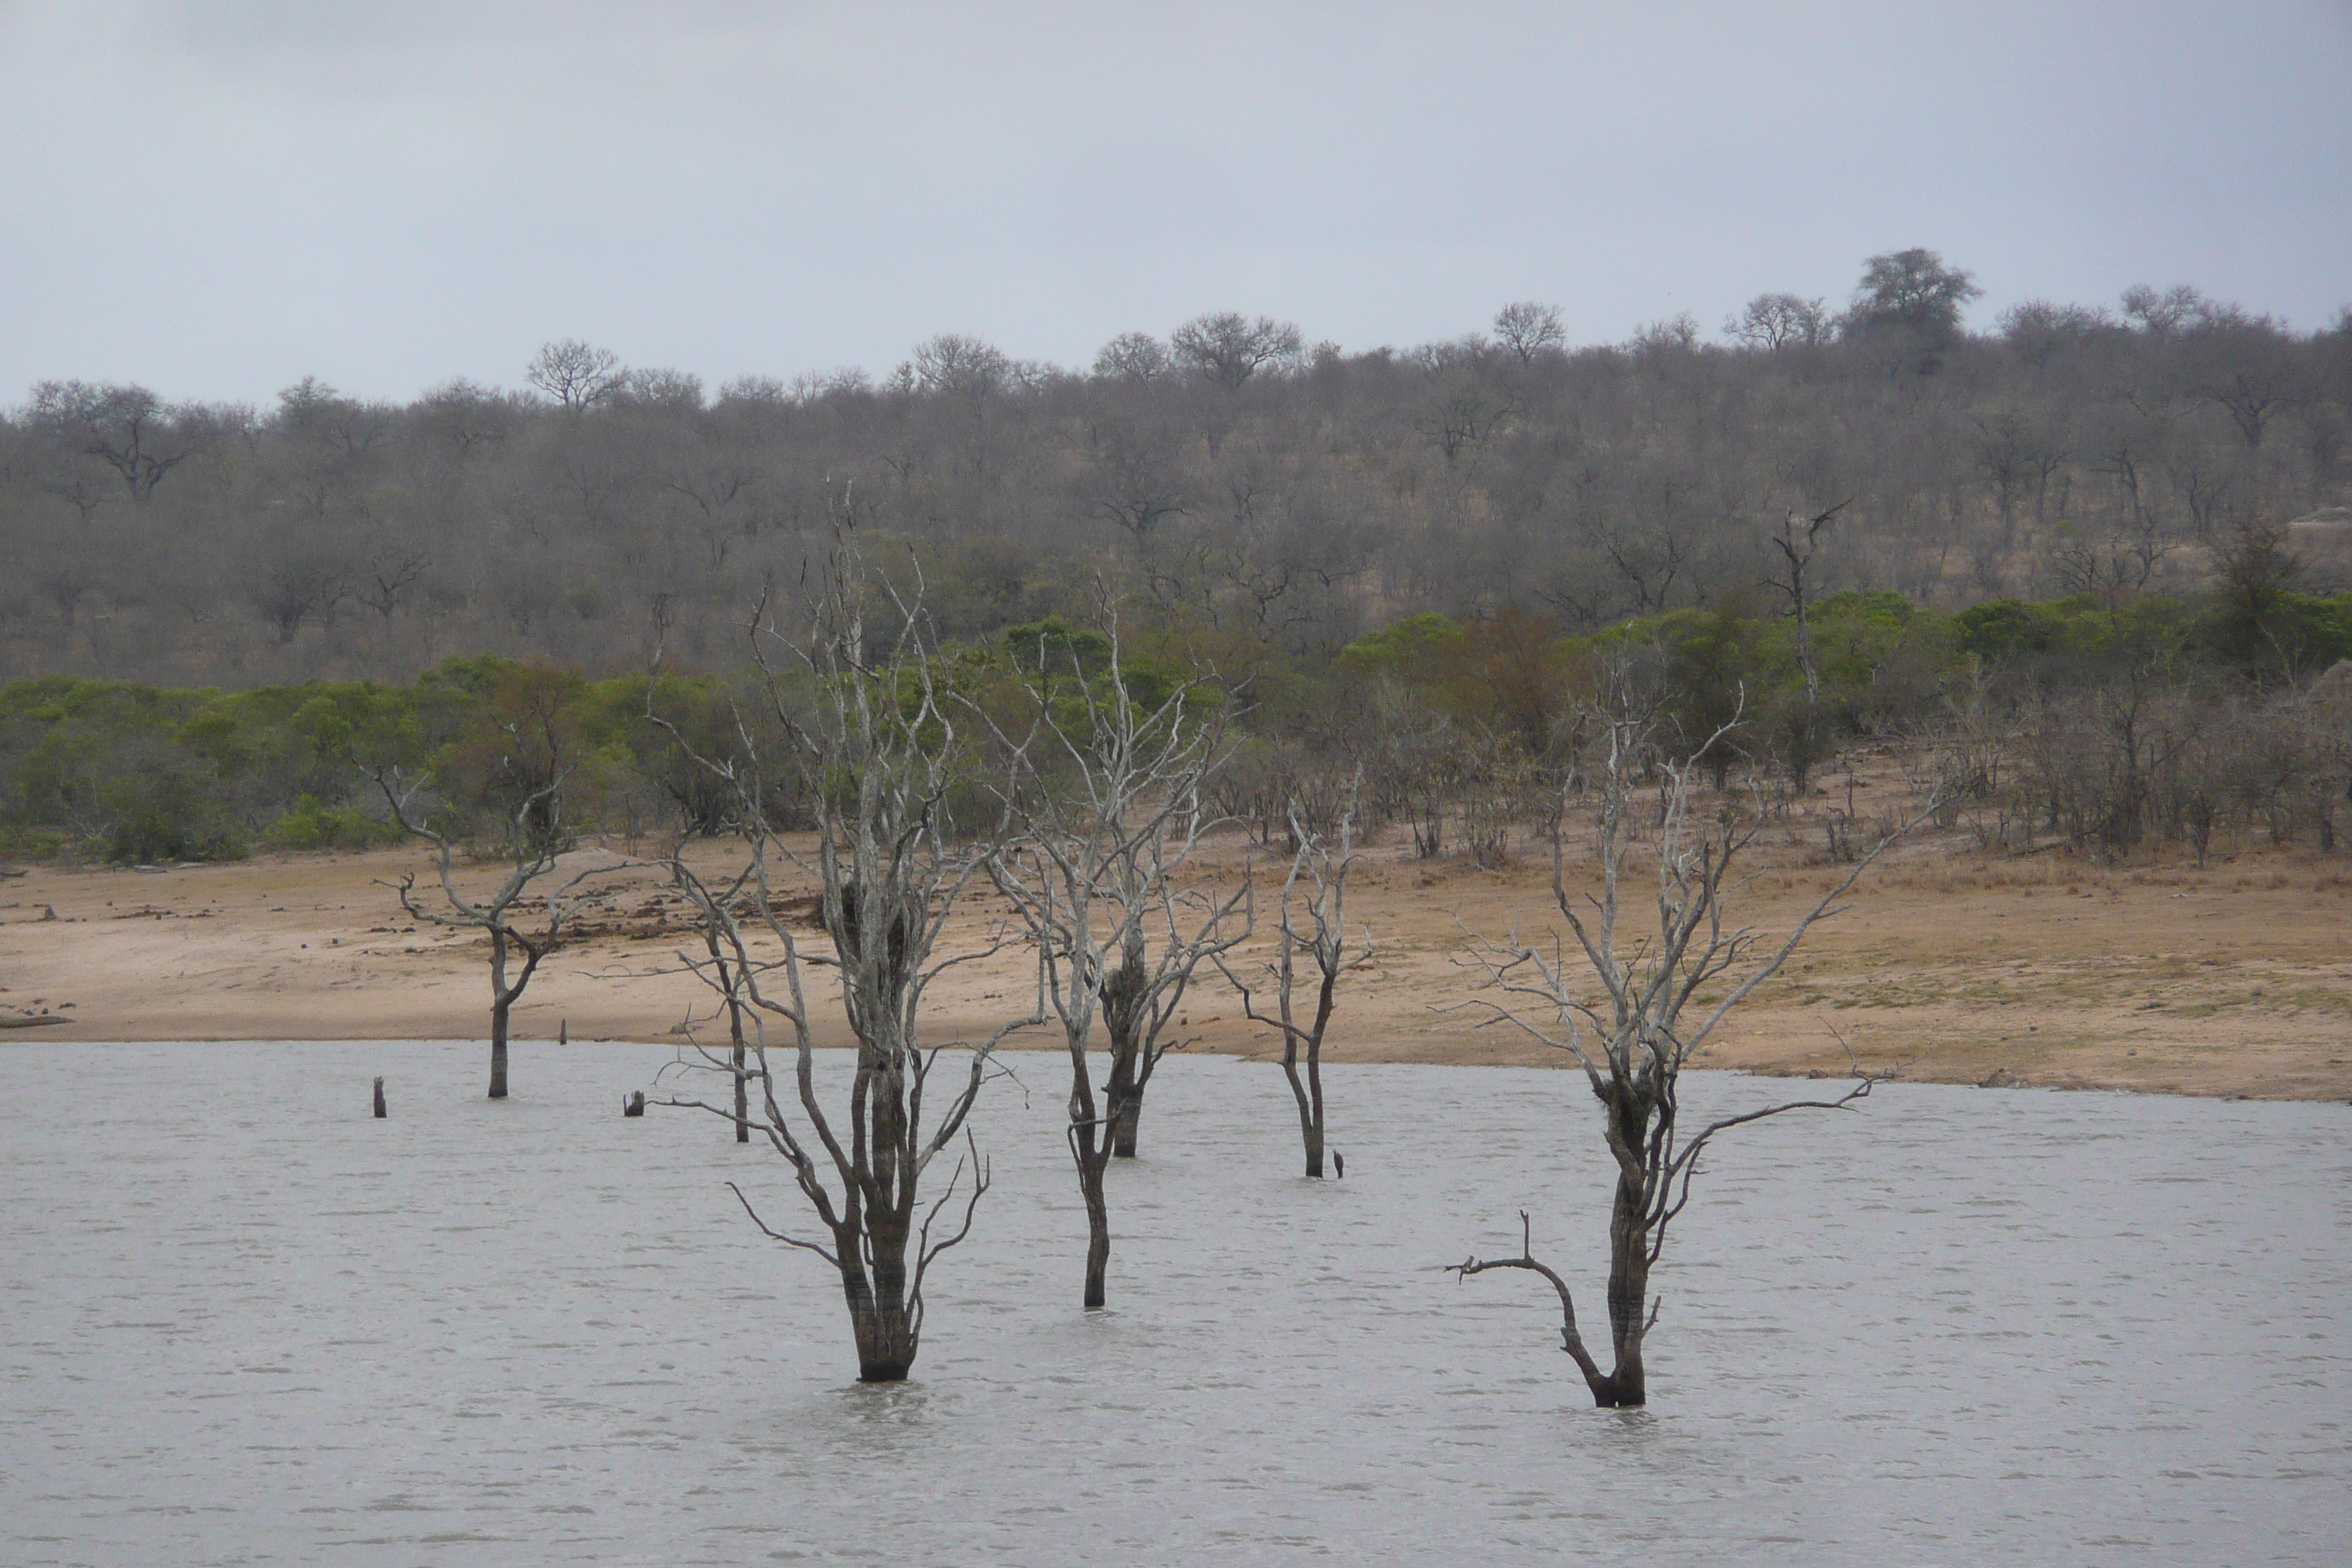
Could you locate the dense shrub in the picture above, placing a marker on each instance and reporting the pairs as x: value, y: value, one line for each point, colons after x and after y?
x: 2105, y: 718
x: 311, y: 826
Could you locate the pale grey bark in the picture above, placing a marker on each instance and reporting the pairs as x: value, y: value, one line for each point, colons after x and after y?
x: 868, y: 746
x: 1103, y: 812
x: 1615, y: 1000
x: 1312, y: 926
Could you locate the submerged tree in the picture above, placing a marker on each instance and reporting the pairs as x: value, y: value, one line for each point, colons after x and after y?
x: 719, y: 955
x: 1618, y: 1007
x: 860, y: 738
x: 1314, y: 927
x: 515, y: 770
x: 1105, y: 803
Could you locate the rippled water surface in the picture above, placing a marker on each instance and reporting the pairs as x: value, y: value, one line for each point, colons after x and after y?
x: 242, y: 1322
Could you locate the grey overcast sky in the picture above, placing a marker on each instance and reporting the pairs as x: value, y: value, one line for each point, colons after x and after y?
x: 219, y: 198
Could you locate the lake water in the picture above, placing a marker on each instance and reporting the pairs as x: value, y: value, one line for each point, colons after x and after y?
x: 242, y: 1322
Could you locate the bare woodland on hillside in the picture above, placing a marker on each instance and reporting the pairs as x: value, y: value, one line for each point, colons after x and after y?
x: 1231, y: 476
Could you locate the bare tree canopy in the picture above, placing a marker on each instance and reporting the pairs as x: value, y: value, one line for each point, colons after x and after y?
x: 1528, y: 329
x: 1614, y: 1000
x: 1773, y: 322
x: 578, y: 375
x: 958, y: 365
x: 512, y: 775
x: 1229, y: 348
x: 1138, y: 357
x: 1311, y: 924
x: 1104, y: 809
x: 855, y: 730
x: 128, y: 429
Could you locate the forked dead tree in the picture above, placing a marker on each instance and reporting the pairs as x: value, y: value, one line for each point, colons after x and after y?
x: 1104, y: 810
x: 1313, y: 928
x: 535, y: 839
x: 1616, y: 1001
x: 863, y: 741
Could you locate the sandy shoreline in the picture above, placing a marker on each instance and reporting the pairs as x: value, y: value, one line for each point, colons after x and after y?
x: 2236, y: 980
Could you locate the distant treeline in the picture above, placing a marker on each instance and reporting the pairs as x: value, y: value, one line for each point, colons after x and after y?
x: 2103, y: 721
x: 1231, y: 480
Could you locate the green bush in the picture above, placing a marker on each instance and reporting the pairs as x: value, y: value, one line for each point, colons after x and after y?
x: 311, y: 826
x: 150, y: 833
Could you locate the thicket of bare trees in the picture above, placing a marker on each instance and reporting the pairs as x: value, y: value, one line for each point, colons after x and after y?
x: 1228, y: 477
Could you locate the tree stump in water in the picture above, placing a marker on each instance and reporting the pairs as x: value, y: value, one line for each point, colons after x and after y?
x: 378, y: 1100
x: 563, y: 1033
x: 634, y: 1104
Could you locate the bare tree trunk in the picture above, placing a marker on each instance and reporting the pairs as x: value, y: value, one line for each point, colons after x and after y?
x: 734, y: 1036
x: 1126, y: 1123
x: 499, y: 1006
x: 1315, y: 1098
x: 503, y: 997
x: 1308, y: 1092
x: 742, y: 1091
x: 1308, y: 1044
x: 1119, y: 1103
x: 742, y: 1095
x: 1629, y: 1287
x: 883, y: 1322
x: 1126, y: 996
x: 1090, y: 1184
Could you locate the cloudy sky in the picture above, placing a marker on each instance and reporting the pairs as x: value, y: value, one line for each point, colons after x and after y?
x: 218, y: 198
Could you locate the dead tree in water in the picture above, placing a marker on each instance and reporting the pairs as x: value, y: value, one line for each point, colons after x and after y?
x: 1322, y: 940
x: 859, y: 736
x: 1104, y: 810
x: 717, y: 965
x: 534, y: 765
x: 1618, y: 1007
x: 721, y: 978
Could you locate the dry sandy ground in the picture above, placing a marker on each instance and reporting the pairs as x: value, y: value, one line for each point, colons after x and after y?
x: 2235, y: 980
